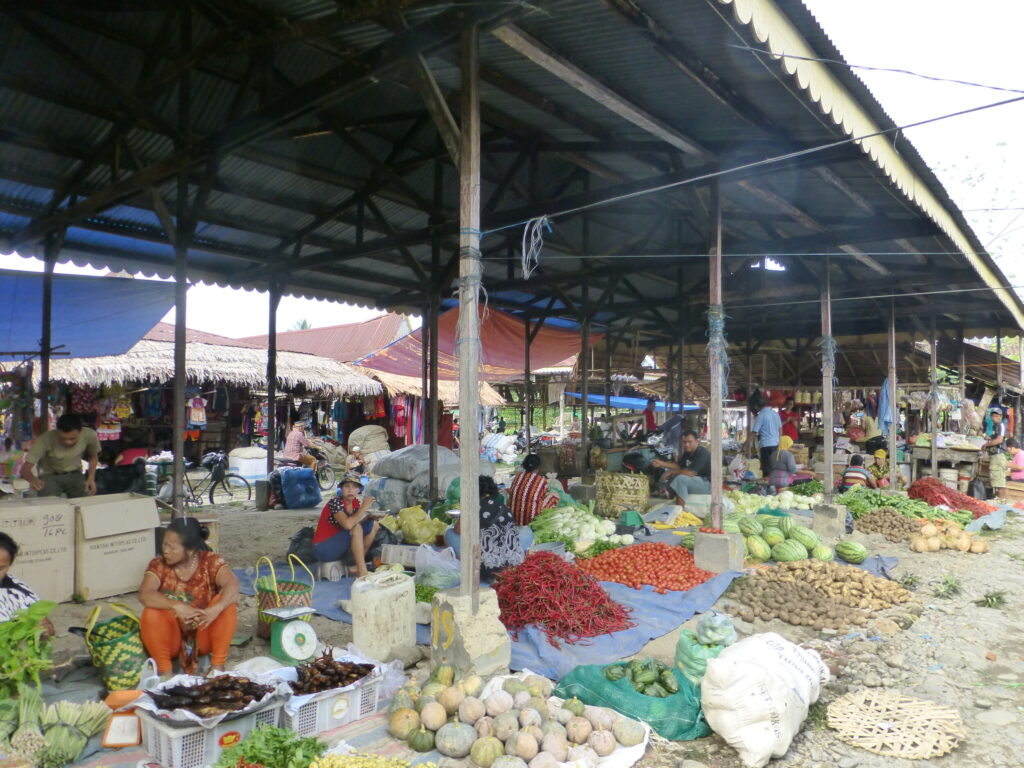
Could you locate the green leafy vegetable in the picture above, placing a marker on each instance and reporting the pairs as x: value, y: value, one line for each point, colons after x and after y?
x: 276, y: 747
x: 862, y: 500
x: 25, y: 648
x: 809, y: 488
x: 425, y: 594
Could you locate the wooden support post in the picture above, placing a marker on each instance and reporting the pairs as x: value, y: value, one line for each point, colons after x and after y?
x: 962, y: 370
x: 424, y: 361
x: 999, y: 362
x: 435, y: 400
x: 933, y: 410
x: 584, y: 369
x: 274, y: 300
x: 469, y: 317
x: 894, y: 408
x: 527, y: 393
x: 682, y: 374
x: 827, y: 374
x: 608, y: 375
x: 45, y: 345
x: 717, y: 385
x: 765, y: 471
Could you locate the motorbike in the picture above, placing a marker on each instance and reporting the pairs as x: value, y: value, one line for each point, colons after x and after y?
x: 661, y: 444
x: 324, y: 472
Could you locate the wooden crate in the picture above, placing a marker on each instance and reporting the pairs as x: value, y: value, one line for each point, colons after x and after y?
x: 1014, y: 491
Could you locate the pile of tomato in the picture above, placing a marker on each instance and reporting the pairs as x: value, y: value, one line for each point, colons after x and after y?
x: 711, y: 530
x: 658, y: 565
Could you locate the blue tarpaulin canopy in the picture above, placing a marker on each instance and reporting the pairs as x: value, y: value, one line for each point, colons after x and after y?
x: 91, y: 316
x: 636, y: 403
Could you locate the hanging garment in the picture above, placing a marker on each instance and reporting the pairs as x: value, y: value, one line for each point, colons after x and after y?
x: 197, y: 413
x: 399, y: 420
x: 884, y: 409
x: 379, y: 411
x: 123, y: 408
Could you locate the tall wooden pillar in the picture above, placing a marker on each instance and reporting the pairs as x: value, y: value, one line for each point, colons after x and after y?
x: 46, y: 337
x: 933, y: 406
x: 584, y: 369
x: 273, y: 301
x: 470, y: 272
x: 827, y: 375
x: 894, y: 408
x: 527, y: 388
x: 717, y: 384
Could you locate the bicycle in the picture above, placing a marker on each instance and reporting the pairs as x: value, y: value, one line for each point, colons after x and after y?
x: 218, y: 485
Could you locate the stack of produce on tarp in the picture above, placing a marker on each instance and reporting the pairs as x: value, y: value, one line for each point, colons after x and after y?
x: 271, y: 747
x: 889, y: 523
x: 415, y: 525
x: 512, y: 722
x: 931, y: 538
x: 780, y: 538
x: 47, y: 736
x: 932, y: 491
x: 810, y: 488
x: 326, y: 673
x: 575, y: 526
x: 558, y: 598
x: 814, y: 594
x: 657, y: 565
x: 25, y: 647
x: 860, y: 501
x: 750, y: 503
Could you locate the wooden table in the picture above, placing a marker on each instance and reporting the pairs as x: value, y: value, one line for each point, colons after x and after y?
x: 951, y: 457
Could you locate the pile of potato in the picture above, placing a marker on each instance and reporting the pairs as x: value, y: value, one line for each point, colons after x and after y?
x: 931, y: 538
x: 888, y: 522
x: 816, y: 594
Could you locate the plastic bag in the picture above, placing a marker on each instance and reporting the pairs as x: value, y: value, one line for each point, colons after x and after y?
x: 716, y: 628
x: 677, y: 717
x: 437, y: 569
x: 692, y: 656
x: 757, y: 692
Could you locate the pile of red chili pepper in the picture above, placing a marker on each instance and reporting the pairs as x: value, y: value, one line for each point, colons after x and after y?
x: 557, y: 597
x: 932, y: 491
x: 661, y: 566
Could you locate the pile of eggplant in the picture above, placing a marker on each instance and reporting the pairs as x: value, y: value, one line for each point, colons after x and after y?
x: 224, y: 693
x: 325, y: 674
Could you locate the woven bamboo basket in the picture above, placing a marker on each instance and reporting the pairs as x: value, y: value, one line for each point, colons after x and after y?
x: 619, y: 491
x: 890, y: 724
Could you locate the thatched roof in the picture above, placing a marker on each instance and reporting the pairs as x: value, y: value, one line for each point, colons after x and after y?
x: 448, y: 390
x: 152, y: 361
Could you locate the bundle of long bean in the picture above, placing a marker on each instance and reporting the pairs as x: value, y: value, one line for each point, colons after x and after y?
x: 67, y: 728
x: 558, y: 598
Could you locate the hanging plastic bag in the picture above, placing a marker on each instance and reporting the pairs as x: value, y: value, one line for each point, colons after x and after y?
x: 716, y: 628
x: 437, y: 569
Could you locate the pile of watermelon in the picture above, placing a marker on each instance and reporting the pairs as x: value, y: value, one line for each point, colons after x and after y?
x: 782, y: 539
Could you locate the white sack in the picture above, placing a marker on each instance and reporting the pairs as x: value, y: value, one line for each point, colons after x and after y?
x: 406, y: 463
x: 755, y: 695
x: 389, y: 492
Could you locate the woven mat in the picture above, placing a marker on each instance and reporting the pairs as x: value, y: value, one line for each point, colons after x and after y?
x: 888, y: 723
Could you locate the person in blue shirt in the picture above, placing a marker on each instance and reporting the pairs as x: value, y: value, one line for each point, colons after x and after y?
x: 768, y: 428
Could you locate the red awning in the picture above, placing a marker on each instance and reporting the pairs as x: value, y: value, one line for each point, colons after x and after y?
x: 503, y: 343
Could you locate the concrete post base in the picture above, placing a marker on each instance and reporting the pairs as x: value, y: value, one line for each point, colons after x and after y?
x: 718, y: 552
x: 829, y: 522
x: 471, y: 643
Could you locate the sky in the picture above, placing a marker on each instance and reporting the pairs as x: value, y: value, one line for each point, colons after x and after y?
x: 978, y: 157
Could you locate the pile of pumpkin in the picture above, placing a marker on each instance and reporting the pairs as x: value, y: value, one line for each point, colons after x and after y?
x: 932, y: 538
x: 516, y: 726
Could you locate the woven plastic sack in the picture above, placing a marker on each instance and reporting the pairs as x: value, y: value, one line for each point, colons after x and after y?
x: 300, y: 489
x: 692, y: 656
x: 677, y: 717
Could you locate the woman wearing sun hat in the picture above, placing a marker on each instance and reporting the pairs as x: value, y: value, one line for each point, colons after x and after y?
x: 345, y: 525
x: 880, y: 468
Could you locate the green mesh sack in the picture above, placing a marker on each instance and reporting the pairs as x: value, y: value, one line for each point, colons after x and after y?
x: 692, y: 656
x: 677, y: 717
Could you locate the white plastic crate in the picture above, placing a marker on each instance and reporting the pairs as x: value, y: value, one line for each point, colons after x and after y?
x: 194, y: 747
x: 335, y: 711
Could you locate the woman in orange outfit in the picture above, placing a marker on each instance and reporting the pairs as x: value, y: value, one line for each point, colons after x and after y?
x: 189, y: 597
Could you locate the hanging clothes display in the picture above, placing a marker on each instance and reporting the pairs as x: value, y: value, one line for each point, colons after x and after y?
x: 398, y: 417
x: 196, y: 413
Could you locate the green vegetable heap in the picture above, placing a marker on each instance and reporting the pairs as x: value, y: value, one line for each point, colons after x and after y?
x: 809, y: 488
x: 24, y: 648
x: 425, y: 594
x: 651, y: 677
x: 861, y: 501
x: 274, y: 748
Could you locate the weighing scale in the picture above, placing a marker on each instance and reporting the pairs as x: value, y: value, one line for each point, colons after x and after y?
x: 292, y: 638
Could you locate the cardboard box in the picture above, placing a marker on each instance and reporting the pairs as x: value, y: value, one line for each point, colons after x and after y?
x: 114, y: 540
x: 44, y: 529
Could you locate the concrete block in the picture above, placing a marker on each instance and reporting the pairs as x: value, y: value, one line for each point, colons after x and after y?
x: 829, y: 521
x: 718, y: 552
x: 262, y: 495
x: 470, y: 642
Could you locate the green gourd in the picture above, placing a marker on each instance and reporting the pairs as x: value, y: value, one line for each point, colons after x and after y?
x: 628, y: 732
x: 421, y: 740
x: 455, y: 739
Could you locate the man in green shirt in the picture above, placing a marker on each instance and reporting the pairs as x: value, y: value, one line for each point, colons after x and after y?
x: 59, y: 453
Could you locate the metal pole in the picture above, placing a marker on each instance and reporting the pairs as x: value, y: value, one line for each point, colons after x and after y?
x: 527, y: 399
x: 274, y: 301
x: 469, y: 318
x: 52, y: 248
x: 682, y: 374
x: 827, y: 374
x: 932, y: 405
x: 715, y: 305
x: 608, y: 375
x: 435, y: 400
x: 894, y: 409
x: 750, y: 387
x: 424, y: 358
x: 584, y: 386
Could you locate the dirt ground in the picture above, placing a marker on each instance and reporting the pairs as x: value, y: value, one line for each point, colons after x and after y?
x: 949, y: 651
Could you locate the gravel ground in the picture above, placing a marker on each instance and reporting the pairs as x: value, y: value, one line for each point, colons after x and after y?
x: 943, y: 650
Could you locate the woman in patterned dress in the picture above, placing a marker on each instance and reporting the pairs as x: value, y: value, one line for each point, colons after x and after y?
x: 15, y: 595
x: 500, y: 544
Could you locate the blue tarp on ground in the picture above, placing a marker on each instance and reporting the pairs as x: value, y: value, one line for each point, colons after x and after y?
x: 91, y: 317
x: 653, y: 614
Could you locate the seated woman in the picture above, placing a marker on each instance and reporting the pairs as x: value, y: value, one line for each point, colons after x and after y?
x: 345, y: 526
x: 784, y: 467
x: 880, y: 468
x: 1016, y: 456
x: 501, y: 544
x: 15, y: 595
x: 355, y: 462
x: 529, y: 493
x: 189, y: 597
x: 856, y: 475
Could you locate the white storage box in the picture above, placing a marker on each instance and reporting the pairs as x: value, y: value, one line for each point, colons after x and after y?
x: 174, y: 746
x: 249, y: 468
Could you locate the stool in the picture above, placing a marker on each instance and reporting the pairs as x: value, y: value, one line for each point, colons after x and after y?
x: 332, y: 571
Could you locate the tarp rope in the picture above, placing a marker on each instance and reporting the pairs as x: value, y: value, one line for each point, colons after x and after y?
x: 533, y: 242
x: 829, y: 350
x: 718, y: 354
